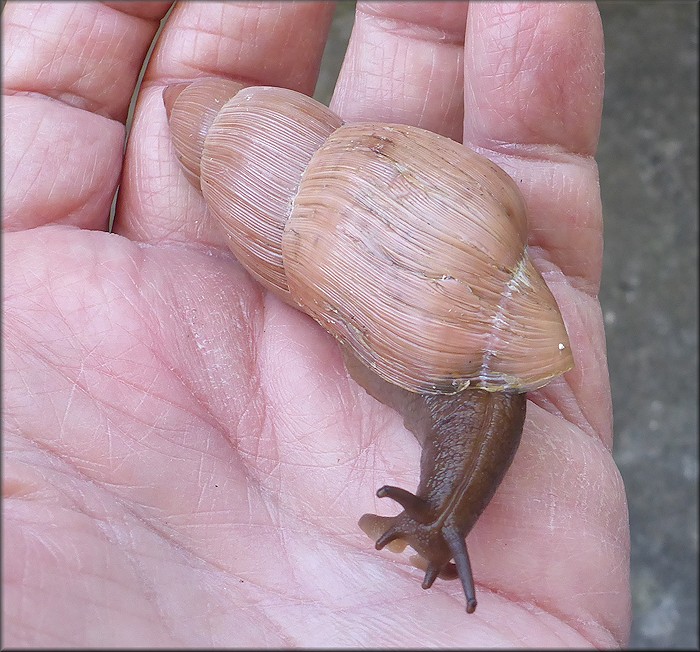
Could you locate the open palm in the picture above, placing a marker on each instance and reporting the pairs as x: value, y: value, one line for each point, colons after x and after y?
x: 185, y: 458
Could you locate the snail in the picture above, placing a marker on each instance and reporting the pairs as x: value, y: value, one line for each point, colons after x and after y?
x: 410, y: 249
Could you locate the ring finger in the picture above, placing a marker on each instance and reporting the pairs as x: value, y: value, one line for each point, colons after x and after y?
x: 275, y: 44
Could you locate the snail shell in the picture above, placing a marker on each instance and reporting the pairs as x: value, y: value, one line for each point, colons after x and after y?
x: 405, y: 245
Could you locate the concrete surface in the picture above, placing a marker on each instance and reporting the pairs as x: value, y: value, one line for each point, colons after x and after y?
x: 649, y: 169
x: 649, y: 178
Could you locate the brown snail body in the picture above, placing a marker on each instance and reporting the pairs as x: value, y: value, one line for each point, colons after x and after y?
x: 410, y: 249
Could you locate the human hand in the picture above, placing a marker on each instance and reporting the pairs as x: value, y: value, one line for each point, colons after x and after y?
x: 185, y: 458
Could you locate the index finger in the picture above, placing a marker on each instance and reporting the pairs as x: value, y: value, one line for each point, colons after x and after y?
x: 533, y: 99
x: 533, y: 93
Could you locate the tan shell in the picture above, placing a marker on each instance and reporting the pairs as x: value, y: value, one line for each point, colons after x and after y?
x: 191, y: 117
x: 405, y: 245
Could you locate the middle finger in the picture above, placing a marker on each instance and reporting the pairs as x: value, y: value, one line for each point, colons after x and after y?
x: 404, y: 65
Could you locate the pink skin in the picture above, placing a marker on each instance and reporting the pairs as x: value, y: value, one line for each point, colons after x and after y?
x: 185, y: 458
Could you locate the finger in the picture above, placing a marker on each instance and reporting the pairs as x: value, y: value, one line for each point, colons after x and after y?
x: 404, y: 64
x: 69, y: 71
x: 533, y: 95
x: 533, y: 98
x: 275, y: 44
x: 534, y: 74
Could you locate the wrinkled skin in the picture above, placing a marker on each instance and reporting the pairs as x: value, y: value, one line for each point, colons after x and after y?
x: 184, y: 457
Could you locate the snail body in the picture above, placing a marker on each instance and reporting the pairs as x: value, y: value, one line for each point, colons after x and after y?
x: 410, y: 249
x: 468, y: 441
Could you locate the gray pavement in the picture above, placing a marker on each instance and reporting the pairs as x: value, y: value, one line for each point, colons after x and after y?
x: 648, y: 160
